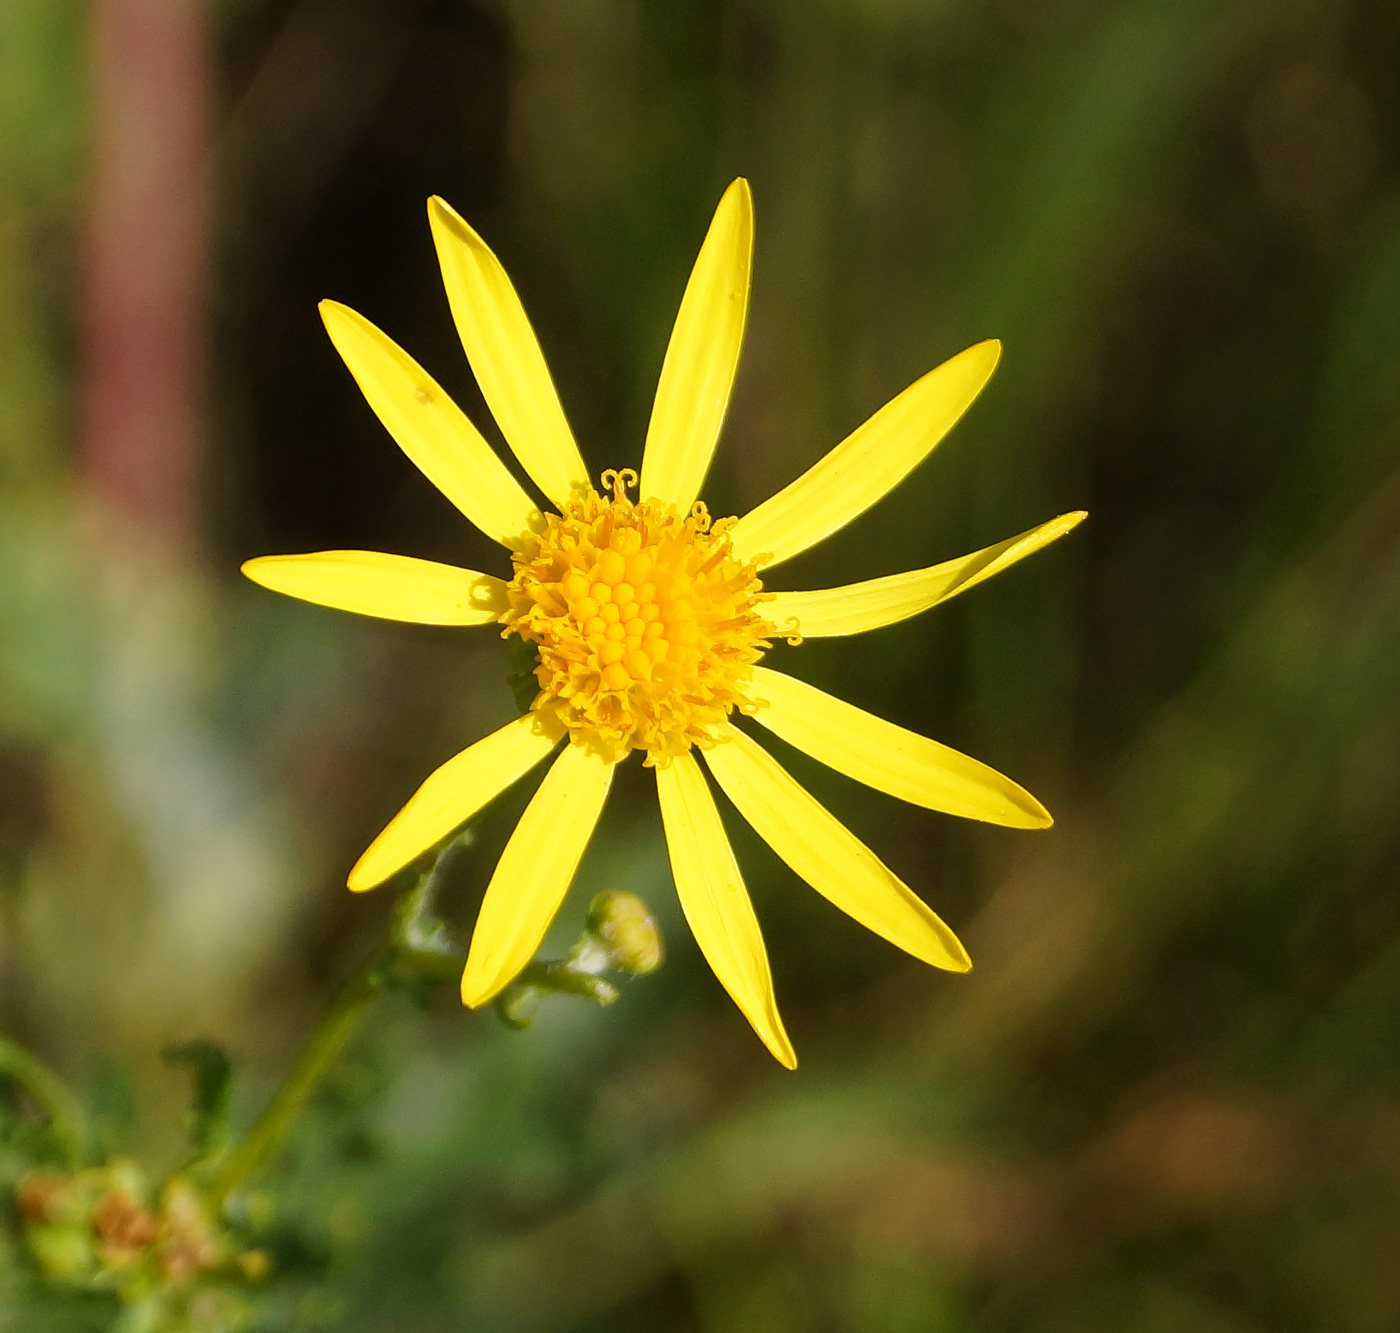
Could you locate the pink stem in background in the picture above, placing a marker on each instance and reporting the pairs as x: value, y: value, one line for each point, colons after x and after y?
x: 144, y: 315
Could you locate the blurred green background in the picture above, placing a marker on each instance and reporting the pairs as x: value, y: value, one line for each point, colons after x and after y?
x: 1168, y: 1097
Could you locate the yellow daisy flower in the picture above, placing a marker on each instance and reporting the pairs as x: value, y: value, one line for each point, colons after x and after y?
x: 649, y: 620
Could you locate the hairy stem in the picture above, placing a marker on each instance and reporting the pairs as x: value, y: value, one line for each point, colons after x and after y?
x: 418, y: 952
x: 326, y: 1043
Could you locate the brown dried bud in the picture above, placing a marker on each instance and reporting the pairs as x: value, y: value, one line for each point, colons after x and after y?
x: 45, y: 1196
x: 124, y: 1227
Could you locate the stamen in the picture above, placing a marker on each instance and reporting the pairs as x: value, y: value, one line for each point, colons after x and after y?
x: 722, y: 553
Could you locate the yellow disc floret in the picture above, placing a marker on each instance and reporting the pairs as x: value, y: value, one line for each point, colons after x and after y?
x: 645, y: 624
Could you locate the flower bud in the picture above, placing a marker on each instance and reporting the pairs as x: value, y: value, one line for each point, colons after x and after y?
x: 626, y: 926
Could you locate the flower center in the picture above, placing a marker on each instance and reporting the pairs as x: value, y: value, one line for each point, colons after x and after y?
x: 645, y: 624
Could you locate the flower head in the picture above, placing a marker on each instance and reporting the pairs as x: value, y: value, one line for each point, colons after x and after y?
x: 645, y: 623
x: 648, y: 621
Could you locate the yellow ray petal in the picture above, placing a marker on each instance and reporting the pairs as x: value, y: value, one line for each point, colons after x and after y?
x: 696, y: 377
x: 393, y: 587
x: 857, y: 607
x: 505, y: 356
x: 535, y: 871
x: 828, y: 855
x: 429, y: 427
x: 452, y: 794
x: 888, y: 757
x: 869, y: 463
x: 715, y: 902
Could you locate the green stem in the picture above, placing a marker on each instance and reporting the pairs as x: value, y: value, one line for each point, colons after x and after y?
x: 67, y: 1120
x: 320, y: 1052
x: 418, y: 952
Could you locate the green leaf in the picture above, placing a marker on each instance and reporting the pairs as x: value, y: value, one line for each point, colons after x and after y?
x: 207, y: 1121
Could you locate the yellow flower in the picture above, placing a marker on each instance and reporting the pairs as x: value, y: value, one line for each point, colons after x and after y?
x: 648, y: 621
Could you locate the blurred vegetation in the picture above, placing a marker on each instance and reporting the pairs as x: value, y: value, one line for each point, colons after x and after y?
x: 1168, y: 1098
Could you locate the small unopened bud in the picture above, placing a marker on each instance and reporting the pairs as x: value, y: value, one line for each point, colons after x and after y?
x: 517, y: 1005
x: 255, y: 1264
x: 625, y: 925
x: 620, y: 936
x: 62, y: 1252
